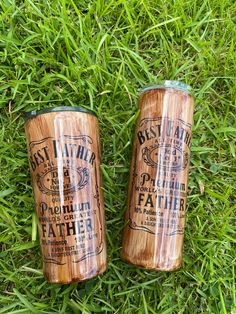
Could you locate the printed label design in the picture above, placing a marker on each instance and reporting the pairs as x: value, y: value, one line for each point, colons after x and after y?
x: 161, y: 155
x: 64, y: 170
x: 159, y: 183
x: 73, y: 180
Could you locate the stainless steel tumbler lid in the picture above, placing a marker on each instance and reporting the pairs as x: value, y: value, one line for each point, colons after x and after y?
x: 169, y: 84
x: 34, y: 113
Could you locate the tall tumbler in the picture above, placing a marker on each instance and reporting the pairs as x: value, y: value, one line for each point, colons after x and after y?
x: 64, y: 157
x: 155, y: 217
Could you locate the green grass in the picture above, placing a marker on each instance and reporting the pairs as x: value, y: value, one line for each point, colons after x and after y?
x: 99, y: 54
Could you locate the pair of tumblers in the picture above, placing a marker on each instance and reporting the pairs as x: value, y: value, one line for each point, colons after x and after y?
x: 64, y: 157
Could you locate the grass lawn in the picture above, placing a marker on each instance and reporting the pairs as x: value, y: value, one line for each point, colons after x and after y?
x: 98, y: 54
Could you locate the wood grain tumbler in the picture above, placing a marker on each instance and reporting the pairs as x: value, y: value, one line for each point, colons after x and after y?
x: 64, y: 157
x: 157, y: 195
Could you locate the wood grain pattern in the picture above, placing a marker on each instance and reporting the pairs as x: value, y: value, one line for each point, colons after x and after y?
x: 64, y: 157
x: 155, y: 217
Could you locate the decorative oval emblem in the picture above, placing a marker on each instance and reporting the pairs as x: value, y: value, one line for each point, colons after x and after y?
x: 165, y: 157
x: 70, y: 180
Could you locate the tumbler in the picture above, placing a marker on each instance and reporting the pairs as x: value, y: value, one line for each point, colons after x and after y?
x: 64, y: 157
x: 157, y: 195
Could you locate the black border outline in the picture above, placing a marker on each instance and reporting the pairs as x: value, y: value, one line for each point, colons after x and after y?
x: 100, y: 247
x: 132, y: 224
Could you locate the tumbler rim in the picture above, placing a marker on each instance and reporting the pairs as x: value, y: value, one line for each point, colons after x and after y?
x: 33, y: 113
x: 177, y: 85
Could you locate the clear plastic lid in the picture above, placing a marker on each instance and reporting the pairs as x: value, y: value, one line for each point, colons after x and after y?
x: 34, y: 113
x: 169, y: 84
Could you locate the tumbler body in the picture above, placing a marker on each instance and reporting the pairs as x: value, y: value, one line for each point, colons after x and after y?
x: 157, y: 196
x: 64, y: 157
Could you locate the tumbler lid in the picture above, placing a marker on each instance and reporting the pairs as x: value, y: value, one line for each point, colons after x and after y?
x: 34, y: 113
x: 169, y: 84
